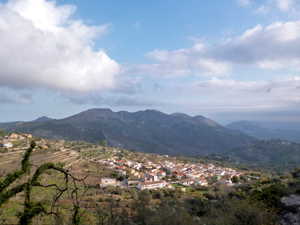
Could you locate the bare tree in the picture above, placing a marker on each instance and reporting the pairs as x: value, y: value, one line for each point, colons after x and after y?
x: 71, y: 185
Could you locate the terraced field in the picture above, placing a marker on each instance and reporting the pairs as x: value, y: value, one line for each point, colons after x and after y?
x: 12, y: 160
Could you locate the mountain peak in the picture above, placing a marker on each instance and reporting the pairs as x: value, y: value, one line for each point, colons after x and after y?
x: 42, y: 119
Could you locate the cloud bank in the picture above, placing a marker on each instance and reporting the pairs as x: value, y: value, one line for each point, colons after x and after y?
x: 42, y: 47
x: 230, y: 94
x: 272, y: 47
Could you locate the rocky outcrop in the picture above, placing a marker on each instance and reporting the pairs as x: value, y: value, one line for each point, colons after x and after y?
x: 291, y: 214
x: 291, y: 200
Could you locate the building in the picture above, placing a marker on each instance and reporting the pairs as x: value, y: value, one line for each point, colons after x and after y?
x: 6, y: 144
x: 27, y: 136
x: 201, y: 181
x: 153, y: 185
x: 187, y: 182
x: 122, y: 172
x: 43, y: 146
x: 109, y: 182
x: 161, y: 173
x: 150, y: 177
x: 14, y: 137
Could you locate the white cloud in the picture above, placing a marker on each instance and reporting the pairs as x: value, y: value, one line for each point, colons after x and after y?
x: 285, y: 5
x: 42, y: 48
x: 243, y: 2
x: 273, y: 47
x: 181, y: 62
x: 262, y: 9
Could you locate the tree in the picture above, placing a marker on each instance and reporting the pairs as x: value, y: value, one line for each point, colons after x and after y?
x: 116, y: 175
x: 2, y: 133
x: 243, y: 178
x: 168, y: 171
x: 104, y: 143
x: 214, y: 179
x: 296, y: 172
x: 8, y: 189
x: 140, y: 205
x: 235, y: 179
x: 96, y: 142
x: 270, y: 195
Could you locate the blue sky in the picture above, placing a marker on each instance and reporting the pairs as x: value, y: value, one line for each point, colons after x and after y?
x: 226, y: 60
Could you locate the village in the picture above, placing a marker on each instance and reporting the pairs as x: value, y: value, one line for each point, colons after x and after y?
x: 142, y: 175
x: 151, y: 175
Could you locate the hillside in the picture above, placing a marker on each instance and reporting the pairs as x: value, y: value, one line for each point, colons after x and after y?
x: 258, y: 130
x: 274, y: 153
x: 147, y: 131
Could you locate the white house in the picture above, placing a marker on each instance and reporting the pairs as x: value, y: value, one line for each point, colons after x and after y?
x: 110, y: 163
x: 200, y: 181
x: 6, y: 144
x: 109, y: 182
x: 150, y: 177
x: 137, y: 166
x: 187, y: 182
x: 161, y: 173
x: 153, y: 185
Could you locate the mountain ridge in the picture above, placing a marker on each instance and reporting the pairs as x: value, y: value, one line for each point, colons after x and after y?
x: 146, y: 131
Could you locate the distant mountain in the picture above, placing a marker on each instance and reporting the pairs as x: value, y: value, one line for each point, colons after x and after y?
x: 247, y: 126
x: 42, y: 119
x: 8, y: 124
x: 147, y: 131
x: 258, y: 130
x: 273, y: 152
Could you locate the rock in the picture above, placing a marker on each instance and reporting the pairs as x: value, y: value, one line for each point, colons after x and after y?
x: 290, y: 219
x: 291, y: 200
x: 291, y: 216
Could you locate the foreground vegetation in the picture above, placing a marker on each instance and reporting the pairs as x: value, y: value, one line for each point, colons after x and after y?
x: 40, y: 192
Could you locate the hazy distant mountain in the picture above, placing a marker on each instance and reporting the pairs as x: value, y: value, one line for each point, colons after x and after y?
x: 274, y: 152
x: 147, y: 131
x: 8, y: 124
x: 247, y: 126
x: 258, y: 130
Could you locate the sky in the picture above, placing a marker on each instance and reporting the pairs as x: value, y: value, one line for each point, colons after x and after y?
x: 225, y: 60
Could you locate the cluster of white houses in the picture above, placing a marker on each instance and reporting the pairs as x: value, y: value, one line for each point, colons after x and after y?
x: 7, y: 140
x: 150, y: 175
